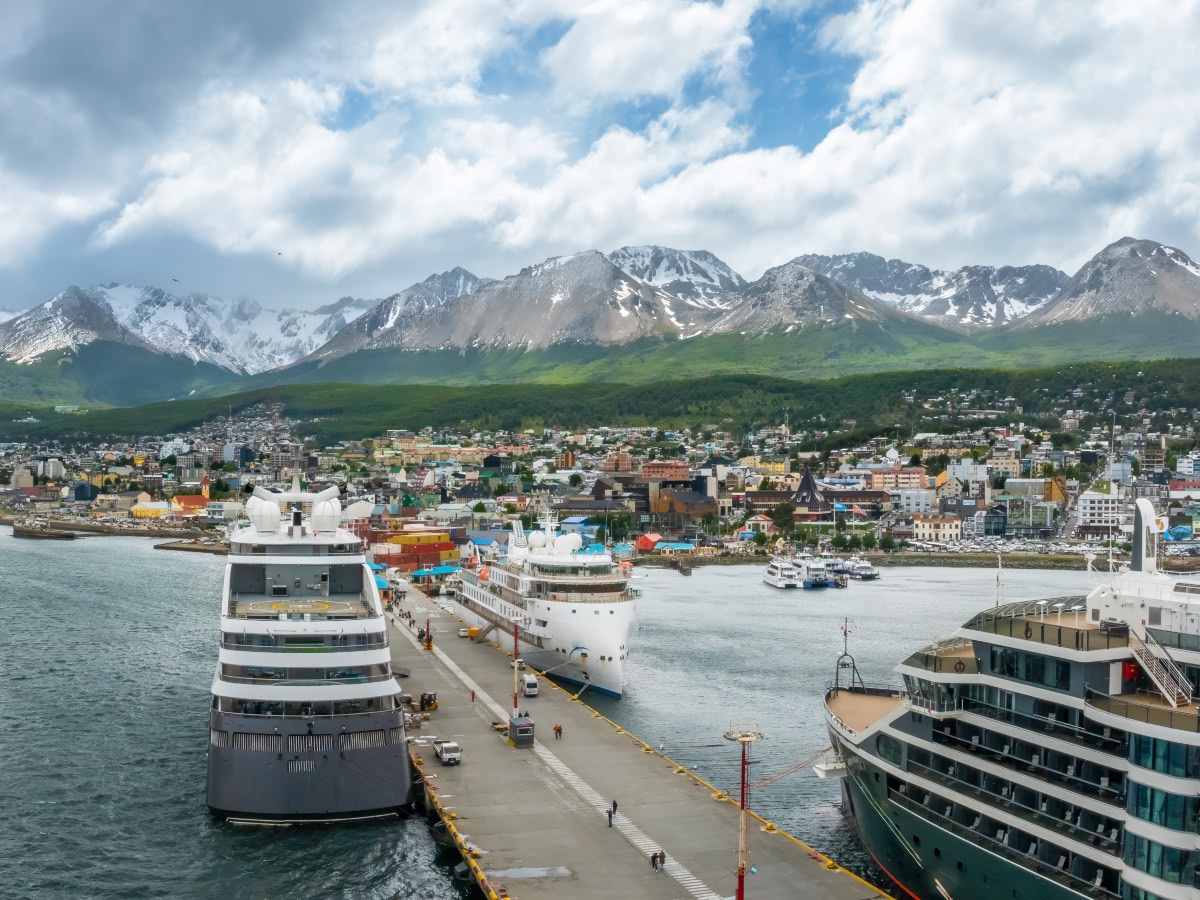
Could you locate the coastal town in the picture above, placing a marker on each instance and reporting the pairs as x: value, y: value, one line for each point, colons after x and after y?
x: 1045, y: 485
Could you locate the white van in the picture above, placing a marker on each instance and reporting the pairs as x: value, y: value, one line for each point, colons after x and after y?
x: 530, y: 684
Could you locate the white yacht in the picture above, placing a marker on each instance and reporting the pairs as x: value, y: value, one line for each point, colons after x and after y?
x: 782, y: 573
x: 306, y: 722
x: 572, y: 606
x: 857, y: 567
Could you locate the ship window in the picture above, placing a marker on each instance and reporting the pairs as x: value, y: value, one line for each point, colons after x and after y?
x: 937, y: 851
x: 916, y: 840
x: 961, y: 867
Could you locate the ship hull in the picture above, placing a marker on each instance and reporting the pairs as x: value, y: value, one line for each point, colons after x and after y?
x: 275, y: 769
x: 932, y: 863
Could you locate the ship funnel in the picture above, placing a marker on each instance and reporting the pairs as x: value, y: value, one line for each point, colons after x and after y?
x: 1145, y: 531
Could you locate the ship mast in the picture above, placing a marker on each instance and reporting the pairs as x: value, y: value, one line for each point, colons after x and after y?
x: 846, y: 661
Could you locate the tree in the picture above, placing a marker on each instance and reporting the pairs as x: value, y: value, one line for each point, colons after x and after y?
x: 1047, y: 470
x: 576, y: 480
x: 479, y: 507
x: 916, y: 460
x: 781, y: 514
x: 766, y: 484
x: 868, y: 540
x: 839, y: 541
x: 887, y: 543
x: 854, y: 541
x: 760, y: 538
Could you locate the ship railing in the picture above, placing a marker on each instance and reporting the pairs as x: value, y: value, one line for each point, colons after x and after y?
x: 1115, y: 744
x: 1175, y: 640
x: 1013, y: 807
x: 945, y: 657
x: 315, y: 648
x: 1047, y: 628
x: 1151, y: 714
x: 1065, y: 877
x: 305, y: 682
x: 1033, y: 767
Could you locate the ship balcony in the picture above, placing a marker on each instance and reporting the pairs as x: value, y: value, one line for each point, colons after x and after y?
x: 1096, y: 882
x: 1057, y: 622
x: 1035, y: 762
x: 1096, y: 737
x: 1081, y: 825
x: 853, y: 710
x: 952, y: 657
x: 1150, y: 708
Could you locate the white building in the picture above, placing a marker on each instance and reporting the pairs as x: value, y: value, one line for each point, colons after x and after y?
x: 911, y: 501
x: 1099, y: 513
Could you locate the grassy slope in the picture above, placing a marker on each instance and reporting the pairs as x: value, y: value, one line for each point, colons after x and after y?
x: 105, y: 374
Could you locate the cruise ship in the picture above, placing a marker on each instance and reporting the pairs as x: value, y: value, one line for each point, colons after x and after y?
x: 1050, y: 749
x: 306, y: 722
x: 573, y: 607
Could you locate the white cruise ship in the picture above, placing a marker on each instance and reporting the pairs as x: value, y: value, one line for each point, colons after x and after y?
x: 573, y: 609
x: 306, y: 723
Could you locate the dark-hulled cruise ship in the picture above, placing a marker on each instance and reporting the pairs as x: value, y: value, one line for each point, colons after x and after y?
x: 306, y: 721
x: 1050, y: 749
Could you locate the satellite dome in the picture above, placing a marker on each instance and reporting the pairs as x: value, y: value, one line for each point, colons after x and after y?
x: 892, y: 454
x: 251, y: 505
x: 537, y: 539
x: 326, y: 516
x: 266, y: 517
x: 568, y: 543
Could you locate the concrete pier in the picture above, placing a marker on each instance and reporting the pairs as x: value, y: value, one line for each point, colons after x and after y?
x: 533, y: 823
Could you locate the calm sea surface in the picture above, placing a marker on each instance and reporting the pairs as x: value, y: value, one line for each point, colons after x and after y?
x: 107, y: 649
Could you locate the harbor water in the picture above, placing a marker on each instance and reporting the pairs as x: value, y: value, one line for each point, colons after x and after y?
x: 108, y: 650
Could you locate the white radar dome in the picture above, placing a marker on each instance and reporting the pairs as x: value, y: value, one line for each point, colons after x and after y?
x: 266, y: 517
x: 537, y: 539
x: 326, y: 516
x: 568, y: 543
x: 251, y: 505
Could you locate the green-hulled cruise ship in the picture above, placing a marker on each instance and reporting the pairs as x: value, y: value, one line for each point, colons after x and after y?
x: 1050, y: 749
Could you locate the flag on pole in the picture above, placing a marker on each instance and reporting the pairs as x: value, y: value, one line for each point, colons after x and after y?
x: 839, y: 507
x: 857, y: 510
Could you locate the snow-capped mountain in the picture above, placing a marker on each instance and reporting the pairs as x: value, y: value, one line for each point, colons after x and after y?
x: 793, y: 296
x: 695, y: 276
x: 72, y: 319
x: 582, y: 298
x: 969, y: 297
x: 238, y: 335
x: 374, y: 328
x: 1128, y: 277
x: 6, y: 314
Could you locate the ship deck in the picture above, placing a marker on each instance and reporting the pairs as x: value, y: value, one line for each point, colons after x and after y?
x: 538, y: 816
x: 260, y: 606
x: 861, y: 711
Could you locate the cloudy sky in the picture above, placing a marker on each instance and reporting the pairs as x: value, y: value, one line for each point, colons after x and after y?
x: 297, y: 151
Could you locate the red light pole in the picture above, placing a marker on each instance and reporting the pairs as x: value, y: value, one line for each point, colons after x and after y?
x: 744, y: 734
x: 516, y: 675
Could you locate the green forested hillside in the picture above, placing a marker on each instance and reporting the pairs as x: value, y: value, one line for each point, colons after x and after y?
x: 734, y: 403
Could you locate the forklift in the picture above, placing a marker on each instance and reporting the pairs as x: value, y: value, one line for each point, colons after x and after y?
x: 429, y: 701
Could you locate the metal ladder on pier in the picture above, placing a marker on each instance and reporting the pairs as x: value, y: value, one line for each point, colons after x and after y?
x: 1162, y: 670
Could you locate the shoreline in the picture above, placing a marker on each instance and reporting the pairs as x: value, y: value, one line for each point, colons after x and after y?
x: 91, y: 528
x: 1068, y: 562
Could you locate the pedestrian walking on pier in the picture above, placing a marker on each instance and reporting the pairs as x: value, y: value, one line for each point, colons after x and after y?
x: 472, y: 696
x: 614, y: 807
x: 662, y: 860
x: 609, y: 811
x: 654, y: 861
